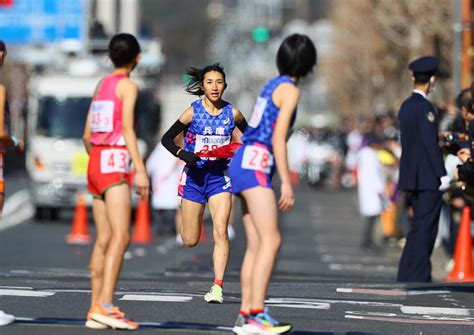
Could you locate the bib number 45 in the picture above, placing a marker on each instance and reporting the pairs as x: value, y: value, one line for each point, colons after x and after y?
x: 257, y: 158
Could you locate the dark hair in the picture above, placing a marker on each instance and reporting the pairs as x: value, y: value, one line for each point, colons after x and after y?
x: 296, y: 56
x: 422, y: 78
x: 196, y: 77
x: 123, y: 48
x: 464, y: 98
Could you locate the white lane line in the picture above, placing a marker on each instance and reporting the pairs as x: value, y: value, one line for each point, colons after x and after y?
x: 162, y: 298
x: 362, y: 267
x: 321, y: 306
x: 391, y: 292
x: 413, y: 321
x: 18, y: 208
x: 435, y: 310
x: 317, y: 302
x: 17, y: 287
x: 25, y: 293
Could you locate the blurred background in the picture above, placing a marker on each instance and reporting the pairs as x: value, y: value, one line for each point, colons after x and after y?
x: 57, y: 53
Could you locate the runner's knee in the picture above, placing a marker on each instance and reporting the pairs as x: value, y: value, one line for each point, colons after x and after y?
x: 190, y: 241
x: 220, y: 233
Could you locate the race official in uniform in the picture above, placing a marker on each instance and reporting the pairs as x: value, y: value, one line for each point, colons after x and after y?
x: 422, y: 172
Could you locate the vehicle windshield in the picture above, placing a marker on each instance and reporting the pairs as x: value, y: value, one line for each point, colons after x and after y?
x: 62, y: 117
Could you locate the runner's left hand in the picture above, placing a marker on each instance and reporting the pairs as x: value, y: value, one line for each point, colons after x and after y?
x: 142, y: 185
x: 287, y: 198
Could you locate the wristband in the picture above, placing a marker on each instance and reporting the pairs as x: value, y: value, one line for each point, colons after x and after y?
x: 15, y: 141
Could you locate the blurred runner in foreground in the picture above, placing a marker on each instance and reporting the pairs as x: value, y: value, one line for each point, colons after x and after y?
x: 110, y: 140
x: 251, y: 172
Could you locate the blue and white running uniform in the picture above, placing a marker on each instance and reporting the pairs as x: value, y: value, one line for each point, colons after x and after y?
x: 207, y: 132
x: 253, y: 163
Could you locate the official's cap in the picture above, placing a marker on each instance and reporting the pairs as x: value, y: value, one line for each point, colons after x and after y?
x: 3, y: 46
x: 425, y: 65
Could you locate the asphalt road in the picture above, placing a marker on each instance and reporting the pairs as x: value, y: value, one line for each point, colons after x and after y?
x: 323, y: 282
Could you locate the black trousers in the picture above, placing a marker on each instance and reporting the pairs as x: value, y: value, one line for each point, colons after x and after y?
x: 415, y: 264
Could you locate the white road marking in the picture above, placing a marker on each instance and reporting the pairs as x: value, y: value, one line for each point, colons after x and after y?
x: 391, y: 292
x: 362, y: 267
x: 17, y: 287
x: 25, y: 293
x: 435, y: 310
x: 320, y: 302
x: 162, y: 298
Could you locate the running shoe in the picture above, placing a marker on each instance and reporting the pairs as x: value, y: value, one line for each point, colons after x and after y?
x: 6, y: 319
x: 263, y: 323
x: 239, y: 323
x: 91, y: 323
x: 111, y: 316
x: 214, y: 295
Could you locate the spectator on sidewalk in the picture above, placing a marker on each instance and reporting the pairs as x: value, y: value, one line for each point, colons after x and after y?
x: 371, y: 187
x: 165, y: 171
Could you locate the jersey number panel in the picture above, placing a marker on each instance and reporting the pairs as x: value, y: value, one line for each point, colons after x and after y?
x: 114, y: 160
x: 257, y: 158
x: 102, y: 116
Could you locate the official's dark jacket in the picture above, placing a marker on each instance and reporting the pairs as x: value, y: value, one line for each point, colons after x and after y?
x: 421, y: 164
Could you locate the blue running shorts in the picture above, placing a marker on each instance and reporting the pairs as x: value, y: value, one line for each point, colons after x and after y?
x: 251, y: 166
x: 198, y: 184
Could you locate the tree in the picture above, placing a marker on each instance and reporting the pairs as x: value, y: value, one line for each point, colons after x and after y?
x: 374, y: 42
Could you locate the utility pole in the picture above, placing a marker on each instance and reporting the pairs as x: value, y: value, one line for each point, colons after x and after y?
x: 467, y: 44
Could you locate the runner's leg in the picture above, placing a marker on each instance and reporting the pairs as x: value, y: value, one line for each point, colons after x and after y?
x: 249, y: 259
x: 103, y: 233
x: 219, y: 206
x: 118, y: 207
x: 191, y: 223
x: 261, y: 201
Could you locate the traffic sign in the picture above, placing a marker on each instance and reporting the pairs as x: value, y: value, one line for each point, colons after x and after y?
x: 42, y: 21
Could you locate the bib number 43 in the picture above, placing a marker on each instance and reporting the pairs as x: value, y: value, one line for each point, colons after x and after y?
x: 257, y: 158
x: 114, y: 160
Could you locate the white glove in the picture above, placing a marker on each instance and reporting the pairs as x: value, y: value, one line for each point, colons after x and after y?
x: 445, y: 180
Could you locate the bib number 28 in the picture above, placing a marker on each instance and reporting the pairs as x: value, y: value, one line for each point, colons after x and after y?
x: 114, y: 160
x: 257, y: 158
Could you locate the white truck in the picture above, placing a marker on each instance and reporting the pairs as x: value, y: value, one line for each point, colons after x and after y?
x: 56, y: 160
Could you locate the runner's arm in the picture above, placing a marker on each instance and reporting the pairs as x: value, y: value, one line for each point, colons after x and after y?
x: 239, y: 120
x: 129, y: 94
x: 168, y: 138
x: 4, y: 135
x: 177, y: 128
x: 286, y: 98
x: 86, y: 136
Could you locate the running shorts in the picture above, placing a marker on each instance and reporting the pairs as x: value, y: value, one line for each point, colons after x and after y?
x: 108, y: 166
x: 251, y: 166
x: 199, y: 184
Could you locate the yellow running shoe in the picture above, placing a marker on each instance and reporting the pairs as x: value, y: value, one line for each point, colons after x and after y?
x: 214, y: 295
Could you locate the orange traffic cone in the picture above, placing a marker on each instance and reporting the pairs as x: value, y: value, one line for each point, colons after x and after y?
x: 203, y: 236
x: 80, y: 230
x: 463, y: 271
x: 142, y: 233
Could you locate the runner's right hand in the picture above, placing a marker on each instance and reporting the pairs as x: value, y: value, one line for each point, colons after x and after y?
x: 142, y: 184
x: 189, y: 157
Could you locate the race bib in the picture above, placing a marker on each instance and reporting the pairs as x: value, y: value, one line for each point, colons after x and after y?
x: 114, y: 160
x: 102, y: 116
x: 258, y: 112
x: 257, y: 158
x: 206, y: 143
